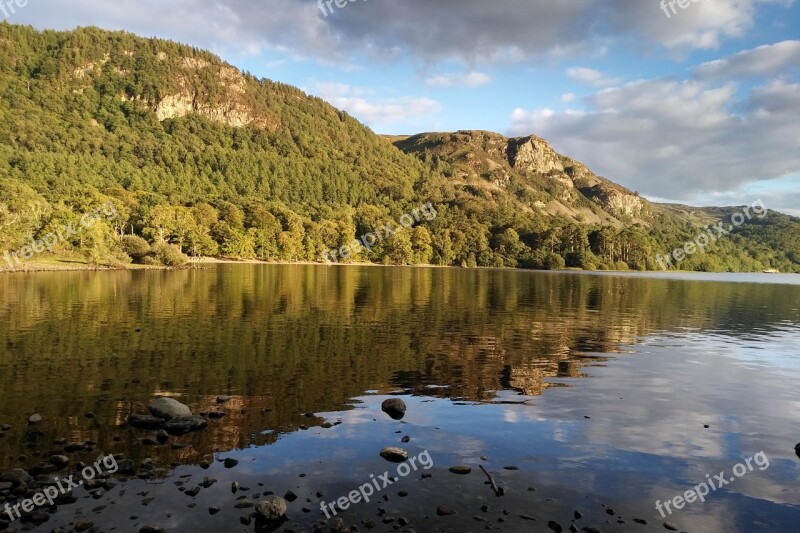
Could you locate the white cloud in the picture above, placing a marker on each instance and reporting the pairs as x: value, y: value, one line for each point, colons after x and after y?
x: 376, y: 111
x: 590, y: 76
x: 767, y: 60
x: 679, y: 139
x: 468, y: 30
x: 567, y: 97
x: 469, y: 79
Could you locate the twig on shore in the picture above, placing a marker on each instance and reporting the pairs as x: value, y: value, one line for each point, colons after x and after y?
x: 497, y: 490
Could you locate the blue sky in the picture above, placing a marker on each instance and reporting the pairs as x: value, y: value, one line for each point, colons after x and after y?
x: 701, y: 107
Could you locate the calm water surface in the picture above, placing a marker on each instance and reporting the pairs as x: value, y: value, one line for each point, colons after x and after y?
x: 595, y: 389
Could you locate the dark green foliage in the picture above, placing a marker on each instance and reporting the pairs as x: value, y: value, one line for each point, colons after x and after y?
x: 136, y: 247
x: 165, y: 254
x: 199, y: 159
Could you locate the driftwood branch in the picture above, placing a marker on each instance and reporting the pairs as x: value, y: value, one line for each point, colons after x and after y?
x: 497, y: 490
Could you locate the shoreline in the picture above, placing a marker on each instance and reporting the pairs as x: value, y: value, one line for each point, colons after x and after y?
x: 65, y: 264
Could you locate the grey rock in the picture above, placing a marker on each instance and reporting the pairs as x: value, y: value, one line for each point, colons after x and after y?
x: 18, y: 477
x: 169, y: 408
x: 126, y: 467
x: 35, y: 419
x: 83, y: 525
x: 272, y: 508
x: 244, y: 504
x: 394, y: 455
x: 337, y: 525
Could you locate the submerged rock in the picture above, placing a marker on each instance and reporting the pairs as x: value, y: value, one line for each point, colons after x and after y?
x: 184, y: 425
x: 462, y: 470
x: 394, y: 455
x: 273, y: 508
x: 169, y: 408
x: 59, y: 460
x: 337, y: 525
x: 145, y: 421
x: 394, y: 407
x: 18, y: 477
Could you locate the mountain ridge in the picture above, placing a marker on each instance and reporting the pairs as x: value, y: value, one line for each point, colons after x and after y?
x: 208, y: 160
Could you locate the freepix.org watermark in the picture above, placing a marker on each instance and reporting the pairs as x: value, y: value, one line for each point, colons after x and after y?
x: 61, y: 234
x: 699, y: 492
x: 48, y: 495
x: 380, y: 234
x: 9, y: 7
x: 365, y: 491
x: 326, y: 6
x: 711, y: 234
x: 669, y: 5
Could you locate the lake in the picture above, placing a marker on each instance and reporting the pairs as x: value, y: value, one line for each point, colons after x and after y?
x: 588, y: 398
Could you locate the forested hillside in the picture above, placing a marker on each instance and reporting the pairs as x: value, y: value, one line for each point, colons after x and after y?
x: 198, y: 158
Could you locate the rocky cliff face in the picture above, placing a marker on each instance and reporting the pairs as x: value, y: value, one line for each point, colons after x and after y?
x: 229, y: 108
x: 532, y: 154
x: 229, y: 105
x: 531, y: 169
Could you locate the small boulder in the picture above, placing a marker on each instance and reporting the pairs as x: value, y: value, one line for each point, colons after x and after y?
x: 394, y: 407
x: 169, y: 408
x: 443, y: 510
x: 461, y: 470
x: 59, y: 460
x: 337, y: 525
x: 145, y: 421
x: 126, y: 467
x: 271, y: 509
x: 35, y: 419
x: 83, y: 524
x: 18, y: 477
x: 184, y: 425
x: 394, y: 455
x: 223, y: 398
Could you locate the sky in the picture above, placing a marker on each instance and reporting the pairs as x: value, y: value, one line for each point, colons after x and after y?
x: 690, y: 101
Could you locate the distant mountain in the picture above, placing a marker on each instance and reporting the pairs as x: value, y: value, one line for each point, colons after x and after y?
x: 529, y: 170
x: 199, y: 158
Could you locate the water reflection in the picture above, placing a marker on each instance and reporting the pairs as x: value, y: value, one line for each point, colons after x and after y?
x: 289, y: 340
